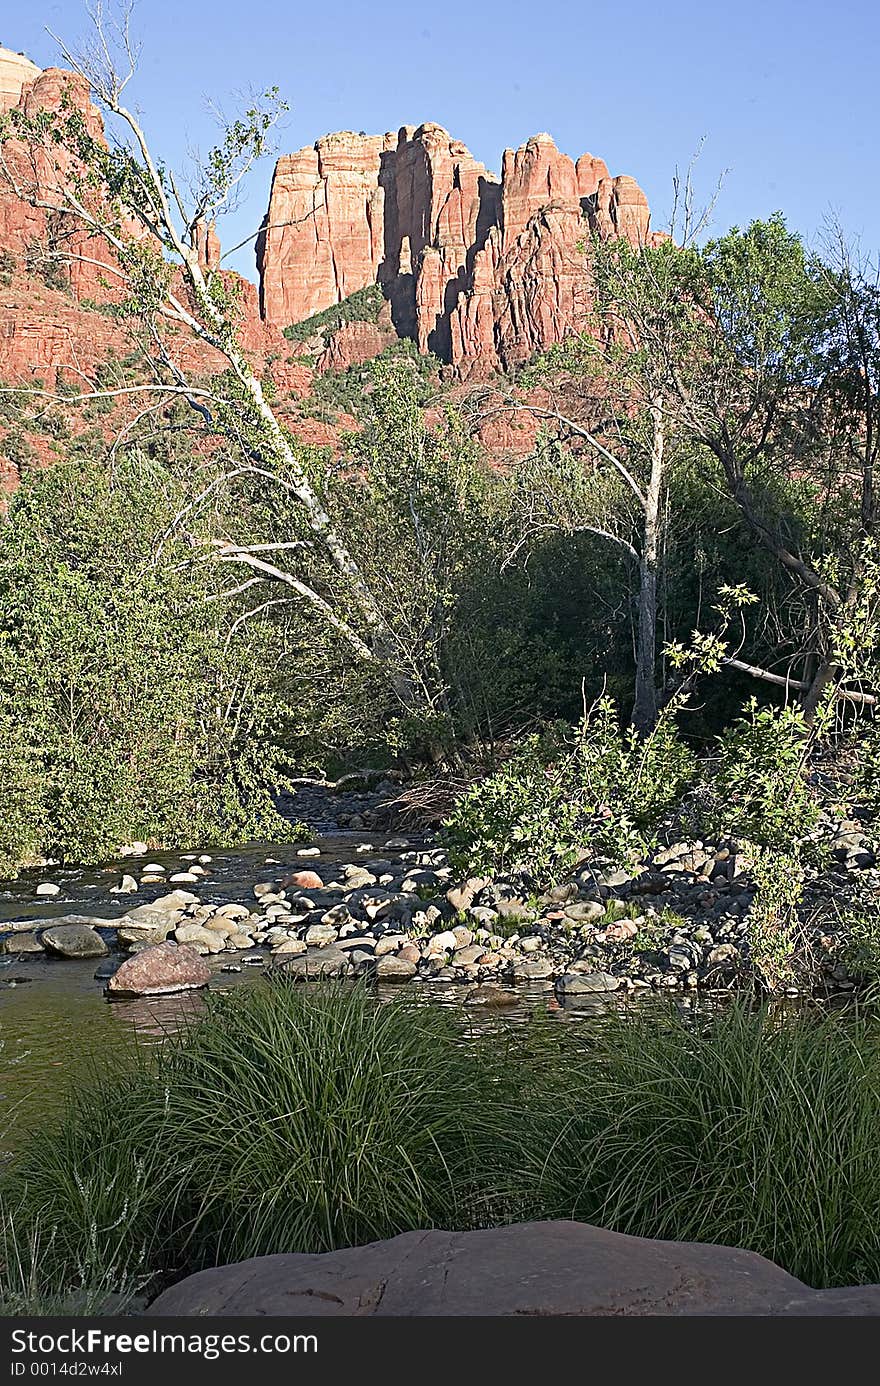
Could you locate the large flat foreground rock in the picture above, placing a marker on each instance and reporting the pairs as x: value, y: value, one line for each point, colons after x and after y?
x: 530, y: 1268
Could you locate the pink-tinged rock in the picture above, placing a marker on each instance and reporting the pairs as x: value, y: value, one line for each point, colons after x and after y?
x: 545, y: 1268
x: 622, y: 929
x: 305, y: 880
x: 324, y: 233
x: 352, y: 344
x: 166, y: 967
x: 16, y: 72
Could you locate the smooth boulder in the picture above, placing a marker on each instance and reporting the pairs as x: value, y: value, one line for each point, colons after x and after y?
x: 159, y: 969
x: 74, y: 941
x: 546, y: 1268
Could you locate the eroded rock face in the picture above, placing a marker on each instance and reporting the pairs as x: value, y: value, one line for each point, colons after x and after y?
x: 483, y: 272
x: 16, y: 72
x: 50, y: 266
x: 532, y: 1268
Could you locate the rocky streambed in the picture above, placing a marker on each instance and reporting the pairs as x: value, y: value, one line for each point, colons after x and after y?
x: 150, y: 930
x: 395, y: 911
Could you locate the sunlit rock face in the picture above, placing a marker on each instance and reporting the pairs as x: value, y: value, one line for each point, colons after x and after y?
x: 480, y: 270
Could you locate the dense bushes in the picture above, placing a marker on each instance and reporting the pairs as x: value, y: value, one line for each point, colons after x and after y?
x: 760, y: 788
x: 127, y: 707
x: 302, y: 1118
x: 362, y: 306
x: 602, y: 792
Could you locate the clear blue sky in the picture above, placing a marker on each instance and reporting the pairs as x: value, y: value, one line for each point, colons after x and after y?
x: 784, y: 91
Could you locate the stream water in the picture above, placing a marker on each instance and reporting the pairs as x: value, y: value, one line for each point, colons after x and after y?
x: 56, y: 1026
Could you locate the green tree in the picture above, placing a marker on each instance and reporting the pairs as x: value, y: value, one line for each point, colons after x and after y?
x: 130, y: 706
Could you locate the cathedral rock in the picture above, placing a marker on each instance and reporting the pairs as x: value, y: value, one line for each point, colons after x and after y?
x: 485, y: 272
x: 481, y: 270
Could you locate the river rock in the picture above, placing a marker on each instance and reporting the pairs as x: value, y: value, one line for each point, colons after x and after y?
x: 393, y: 968
x: 74, y: 941
x: 466, y: 957
x: 390, y: 943
x: 532, y: 969
x: 304, y: 880
x: 127, y: 886
x: 238, y: 941
x: 320, y: 935
x: 163, y: 968
x: 21, y: 943
x: 584, y: 911
x: 175, y: 900
x: 444, y: 942
x: 313, y: 964
x: 200, y: 938
x: 291, y: 947
x: 583, y: 983
x: 233, y: 911
x: 493, y: 996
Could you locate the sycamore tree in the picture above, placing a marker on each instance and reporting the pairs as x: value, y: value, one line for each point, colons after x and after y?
x: 759, y: 363
x: 774, y: 377
x: 143, y: 225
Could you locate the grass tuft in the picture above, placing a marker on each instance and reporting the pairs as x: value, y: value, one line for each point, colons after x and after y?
x: 304, y: 1118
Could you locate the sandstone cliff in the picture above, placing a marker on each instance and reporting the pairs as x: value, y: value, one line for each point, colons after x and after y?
x: 482, y: 271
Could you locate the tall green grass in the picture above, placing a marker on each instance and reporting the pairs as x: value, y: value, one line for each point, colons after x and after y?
x: 746, y: 1129
x: 294, y: 1118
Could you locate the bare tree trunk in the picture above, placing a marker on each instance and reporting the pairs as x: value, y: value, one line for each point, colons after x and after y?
x: 644, y: 716
x: 825, y: 674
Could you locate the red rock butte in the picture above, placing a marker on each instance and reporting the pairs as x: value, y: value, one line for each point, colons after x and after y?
x: 483, y: 271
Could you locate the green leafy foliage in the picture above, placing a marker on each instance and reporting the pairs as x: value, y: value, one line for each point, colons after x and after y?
x: 364, y: 305
x: 760, y: 790
x: 127, y: 708
x: 602, y: 792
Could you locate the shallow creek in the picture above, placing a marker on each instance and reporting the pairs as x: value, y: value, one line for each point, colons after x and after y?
x: 56, y: 1025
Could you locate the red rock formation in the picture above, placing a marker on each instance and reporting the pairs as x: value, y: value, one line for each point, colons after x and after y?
x: 44, y: 331
x: 16, y: 72
x: 324, y: 229
x: 484, y: 273
x: 351, y: 344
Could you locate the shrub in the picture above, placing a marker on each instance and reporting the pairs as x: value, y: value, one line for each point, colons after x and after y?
x: 865, y: 779
x: 604, y: 792
x: 760, y: 789
x: 347, y: 389
x: 362, y: 306
x: 772, y: 923
x: 128, y: 708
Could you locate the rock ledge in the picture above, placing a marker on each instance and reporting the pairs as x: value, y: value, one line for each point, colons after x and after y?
x: 546, y: 1268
